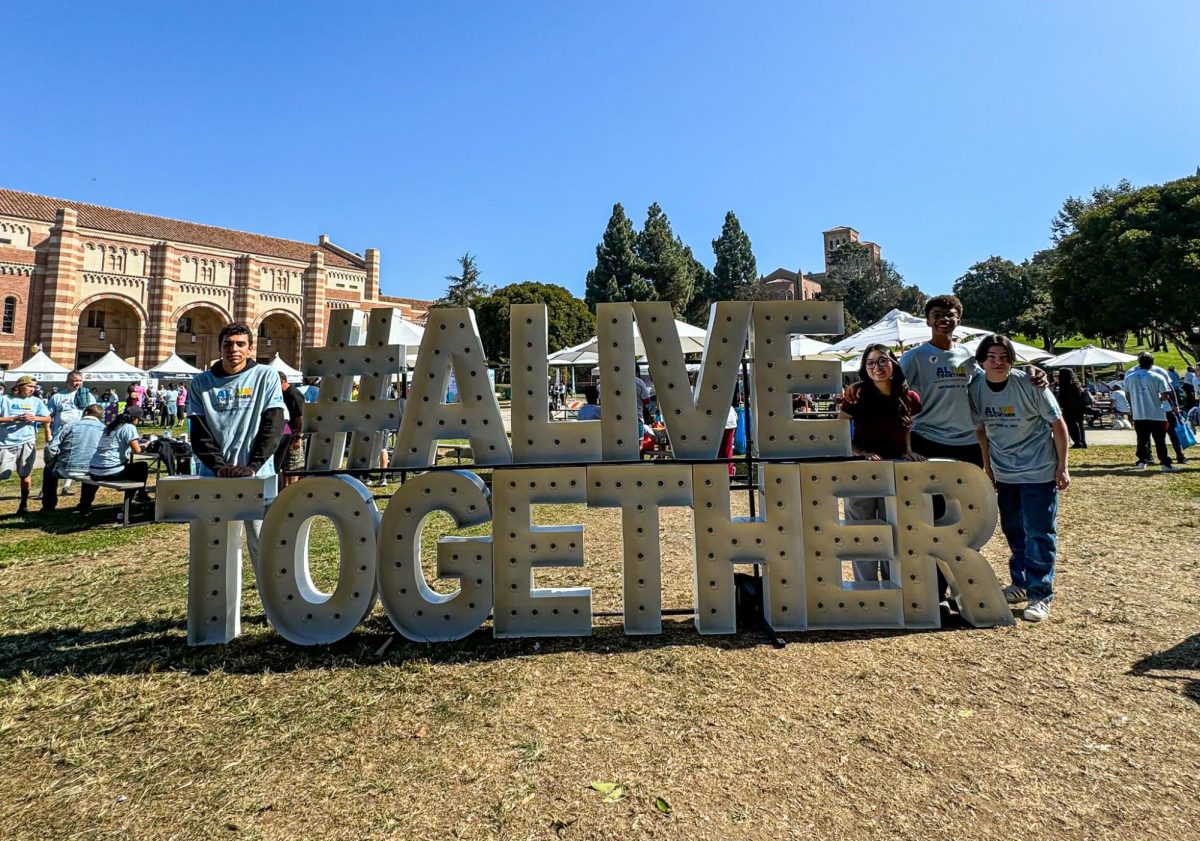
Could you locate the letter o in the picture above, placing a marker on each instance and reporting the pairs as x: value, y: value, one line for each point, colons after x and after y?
x: 293, y: 605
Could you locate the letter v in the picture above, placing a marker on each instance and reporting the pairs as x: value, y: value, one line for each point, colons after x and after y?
x: 695, y: 419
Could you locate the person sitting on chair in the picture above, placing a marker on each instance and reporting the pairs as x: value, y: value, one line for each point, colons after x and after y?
x: 69, y: 453
x: 113, y: 461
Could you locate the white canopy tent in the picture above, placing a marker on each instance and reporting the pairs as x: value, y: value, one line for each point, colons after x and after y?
x: 804, y: 346
x: 895, y: 328
x: 691, y: 340
x: 1025, y: 353
x: 39, y: 366
x: 1090, y: 356
x: 409, y: 336
x: 575, y: 355
x: 111, y: 368
x: 292, y: 374
x: 174, y: 368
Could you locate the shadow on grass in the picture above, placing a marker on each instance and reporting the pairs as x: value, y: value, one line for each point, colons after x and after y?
x: 67, y: 520
x: 161, y: 645
x: 1122, y: 470
x: 1184, y: 657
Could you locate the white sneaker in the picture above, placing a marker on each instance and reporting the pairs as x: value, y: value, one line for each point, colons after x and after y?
x: 1037, y: 611
x: 1141, y: 465
x: 1170, y: 468
x: 1014, y: 594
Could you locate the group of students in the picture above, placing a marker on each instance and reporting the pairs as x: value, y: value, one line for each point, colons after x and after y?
x: 97, y: 439
x: 941, y: 401
x: 81, y: 444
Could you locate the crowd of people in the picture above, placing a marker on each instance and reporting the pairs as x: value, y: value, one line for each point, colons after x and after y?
x: 93, y: 438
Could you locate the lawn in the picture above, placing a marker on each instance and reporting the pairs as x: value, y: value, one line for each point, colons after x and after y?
x: 1081, y: 727
x: 1164, y: 359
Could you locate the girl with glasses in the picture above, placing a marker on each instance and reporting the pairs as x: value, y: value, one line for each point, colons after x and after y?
x: 882, y: 417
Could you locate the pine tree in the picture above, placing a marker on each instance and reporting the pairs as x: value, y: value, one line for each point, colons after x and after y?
x: 735, y: 269
x: 465, y: 288
x: 665, y: 261
x: 616, y: 276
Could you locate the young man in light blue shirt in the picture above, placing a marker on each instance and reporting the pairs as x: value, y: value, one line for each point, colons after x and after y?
x: 1024, y: 441
x: 236, y: 416
x: 1148, y: 391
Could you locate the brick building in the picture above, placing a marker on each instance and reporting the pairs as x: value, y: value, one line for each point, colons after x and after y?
x: 76, y: 278
x: 790, y: 285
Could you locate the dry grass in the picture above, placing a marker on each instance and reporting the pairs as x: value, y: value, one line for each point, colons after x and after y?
x: 1083, y: 727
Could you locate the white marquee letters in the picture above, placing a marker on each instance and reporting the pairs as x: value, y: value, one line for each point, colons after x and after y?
x: 800, y: 538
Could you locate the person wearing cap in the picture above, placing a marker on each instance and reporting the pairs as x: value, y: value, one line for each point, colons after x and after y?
x: 20, y: 413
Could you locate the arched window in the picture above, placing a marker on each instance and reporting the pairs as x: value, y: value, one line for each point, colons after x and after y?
x: 9, y: 324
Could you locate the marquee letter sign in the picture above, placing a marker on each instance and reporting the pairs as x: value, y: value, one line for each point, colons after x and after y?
x: 800, y: 537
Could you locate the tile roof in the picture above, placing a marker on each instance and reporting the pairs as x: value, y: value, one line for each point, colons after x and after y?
x: 42, y: 208
x: 416, y: 303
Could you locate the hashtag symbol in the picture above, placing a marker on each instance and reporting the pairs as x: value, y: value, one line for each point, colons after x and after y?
x: 336, y: 416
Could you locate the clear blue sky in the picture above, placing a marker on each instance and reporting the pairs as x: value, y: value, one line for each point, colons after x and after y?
x: 946, y: 132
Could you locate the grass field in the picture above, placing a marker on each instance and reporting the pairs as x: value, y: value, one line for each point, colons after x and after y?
x: 1081, y: 727
x: 1164, y: 359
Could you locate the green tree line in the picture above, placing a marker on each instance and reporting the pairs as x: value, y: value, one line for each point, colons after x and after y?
x: 1124, y: 260
x: 653, y: 264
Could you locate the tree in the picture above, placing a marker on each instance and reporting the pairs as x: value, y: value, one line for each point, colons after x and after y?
x: 1064, y: 222
x: 735, y: 268
x: 912, y: 299
x: 1042, y: 318
x: 702, y: 281
x: 996, y: 293
x: 465, y: 288
x: 665, y: 261
x: 618, y: 272
x: 868, y: 288
x: 1133, y: 263
x: 568, y: 319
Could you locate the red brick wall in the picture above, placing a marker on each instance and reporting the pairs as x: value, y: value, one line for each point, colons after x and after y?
x: 14, y: 347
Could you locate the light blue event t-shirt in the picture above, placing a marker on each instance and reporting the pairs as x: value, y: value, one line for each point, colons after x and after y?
x: 1017, y: 422
x: 1145, y: 389
x: 18, y: 432
x: 63, y: 409
x: 113, y: 450
x: 232, y: 408
x: 941, y: 378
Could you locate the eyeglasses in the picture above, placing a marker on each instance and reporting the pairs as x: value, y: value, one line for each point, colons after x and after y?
x: 881, y: 362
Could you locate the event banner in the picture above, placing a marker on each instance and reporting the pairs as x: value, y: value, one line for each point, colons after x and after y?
x: 804, y: 471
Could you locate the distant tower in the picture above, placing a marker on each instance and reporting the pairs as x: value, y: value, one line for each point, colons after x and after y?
x: 837, y: 237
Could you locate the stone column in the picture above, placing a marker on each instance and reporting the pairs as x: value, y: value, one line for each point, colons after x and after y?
x: 316, y: 315
x: 161, y: 286
x: 371, y: 287
x: 246, y: 297
x: 60, y: 290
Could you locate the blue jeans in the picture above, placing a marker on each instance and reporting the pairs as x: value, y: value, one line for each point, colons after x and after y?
x: 1028, y: 517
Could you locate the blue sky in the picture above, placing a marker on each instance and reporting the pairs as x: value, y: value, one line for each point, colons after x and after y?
x: 946, y: 132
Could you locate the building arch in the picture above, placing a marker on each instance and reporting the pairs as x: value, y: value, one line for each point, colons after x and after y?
x: 196, y: 327
x: 278, y: 331
x: 109, y: 320
x: 182, y: 311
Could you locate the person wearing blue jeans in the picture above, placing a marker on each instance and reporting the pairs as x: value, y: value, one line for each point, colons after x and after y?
x: 1024, y: 440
